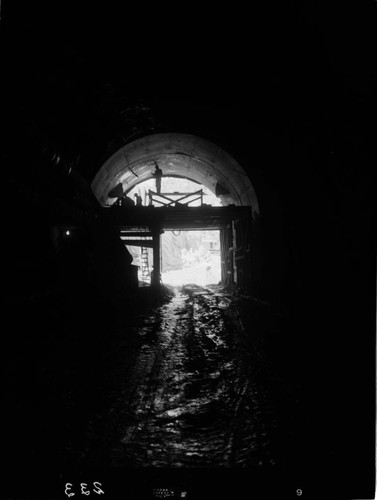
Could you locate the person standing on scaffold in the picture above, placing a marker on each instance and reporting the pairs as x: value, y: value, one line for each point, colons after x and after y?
x: 157, y: 174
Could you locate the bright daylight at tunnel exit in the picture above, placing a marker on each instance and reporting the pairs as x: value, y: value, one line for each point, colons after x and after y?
x: 187, y: 256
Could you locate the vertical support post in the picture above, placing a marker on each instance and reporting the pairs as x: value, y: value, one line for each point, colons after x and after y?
x: 226, y: 239
x: 223, y: 255
x: 150, y: 197
x: 156, y: 276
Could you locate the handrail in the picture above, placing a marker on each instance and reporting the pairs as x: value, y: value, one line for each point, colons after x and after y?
x: 171, y: 201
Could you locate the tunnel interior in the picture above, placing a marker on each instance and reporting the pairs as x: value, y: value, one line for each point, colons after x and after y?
x: 263, y: 381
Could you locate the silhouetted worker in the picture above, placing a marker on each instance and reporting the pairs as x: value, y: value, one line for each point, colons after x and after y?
x: 138, y: 200
x: 157, y: 175
x: 125, y: 201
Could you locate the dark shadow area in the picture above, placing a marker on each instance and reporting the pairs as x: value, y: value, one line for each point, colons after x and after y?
x: 60, y: 352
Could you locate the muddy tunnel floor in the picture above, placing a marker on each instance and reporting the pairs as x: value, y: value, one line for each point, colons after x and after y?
x: 174, y: 383
x: 192, y: 393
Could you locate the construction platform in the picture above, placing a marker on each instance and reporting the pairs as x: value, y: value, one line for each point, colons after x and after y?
x: 143, y: 225
x: 174, y: 218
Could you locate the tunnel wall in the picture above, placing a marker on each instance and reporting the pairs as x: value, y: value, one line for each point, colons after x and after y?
x: 59, y: 244
x: 291, y: 180
x: 177, y: 154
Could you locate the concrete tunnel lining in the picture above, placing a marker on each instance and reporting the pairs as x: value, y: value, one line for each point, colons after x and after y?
x: 180, y: 155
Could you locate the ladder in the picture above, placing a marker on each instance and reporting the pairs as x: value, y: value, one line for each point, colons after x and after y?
x: 144, y: 264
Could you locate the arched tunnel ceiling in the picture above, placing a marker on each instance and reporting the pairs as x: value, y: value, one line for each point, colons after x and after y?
x: 180, y: 155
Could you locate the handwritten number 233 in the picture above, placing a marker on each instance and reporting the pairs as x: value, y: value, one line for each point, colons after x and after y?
x: 84, y: 489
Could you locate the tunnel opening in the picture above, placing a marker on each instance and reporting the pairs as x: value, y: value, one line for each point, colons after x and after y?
x: 200, y: 187
x: 191, y: 257
x: 186, y: 256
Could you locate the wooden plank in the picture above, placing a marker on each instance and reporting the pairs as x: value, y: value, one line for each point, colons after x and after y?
x: 138, y: 234
x: 138, y: 243
x: 176, y: 193
x: 156, y: 277
x: 143, y: 218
